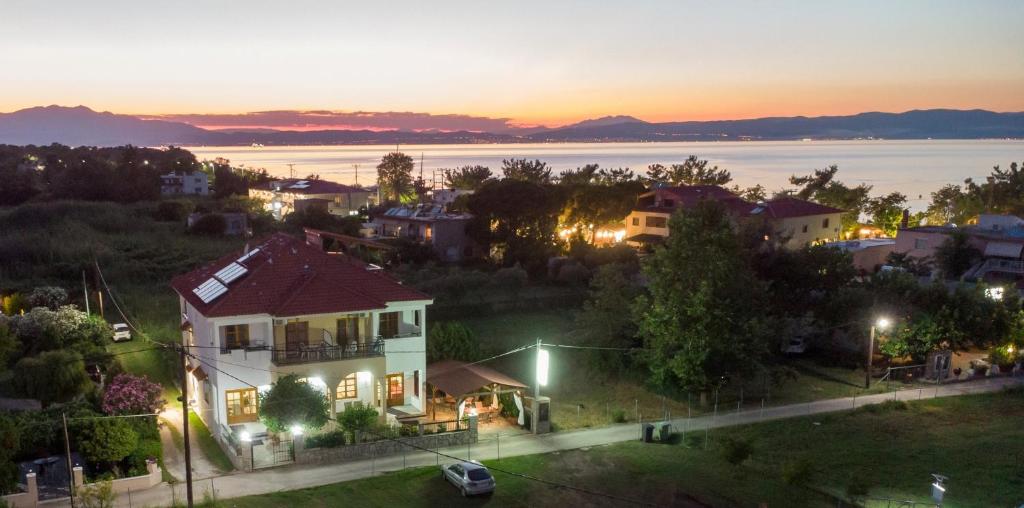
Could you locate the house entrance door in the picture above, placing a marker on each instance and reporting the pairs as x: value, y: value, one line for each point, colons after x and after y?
x: 296, y: 337
x: 396, y: 390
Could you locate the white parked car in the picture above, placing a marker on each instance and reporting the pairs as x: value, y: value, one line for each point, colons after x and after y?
x: 471, y: 478
x: 121, y: 332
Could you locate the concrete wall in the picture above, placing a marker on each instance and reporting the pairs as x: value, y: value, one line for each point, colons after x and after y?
x: 30, y: 498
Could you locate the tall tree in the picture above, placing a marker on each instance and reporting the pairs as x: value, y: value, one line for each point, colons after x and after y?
x: 886, y: 211
x: 692, y: 171
x: 956, y: 255
x: 394, y: 176
x: 525, y: 170
x: 821, y: 187
x: 704, y: 318
x: 949, y: 205
x: 602, y: 321
x: 517, y: 219
x: 466, y: 177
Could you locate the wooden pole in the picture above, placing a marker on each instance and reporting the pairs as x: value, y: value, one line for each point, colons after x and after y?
x: 67, y: 449
x: 184, y: 427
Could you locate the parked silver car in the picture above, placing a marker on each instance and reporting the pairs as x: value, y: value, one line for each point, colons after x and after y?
x: 121, y: 332
x: 471, y: 478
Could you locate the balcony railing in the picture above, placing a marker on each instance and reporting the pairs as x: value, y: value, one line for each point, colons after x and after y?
x: 325, y: 353
x: 403, y: 334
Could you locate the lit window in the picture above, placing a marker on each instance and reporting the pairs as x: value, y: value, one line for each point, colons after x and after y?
x: 236, y: 336
x: 242, y: 405
x: 347, y: 387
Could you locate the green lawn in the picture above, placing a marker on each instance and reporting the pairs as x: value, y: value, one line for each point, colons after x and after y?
x: 581, y: 397
x: 208, y: 445
x: 890, y: 450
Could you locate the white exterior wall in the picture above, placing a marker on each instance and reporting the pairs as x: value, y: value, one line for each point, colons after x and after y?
x: 253, y: 367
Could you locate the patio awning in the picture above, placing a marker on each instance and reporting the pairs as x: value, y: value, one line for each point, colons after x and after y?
x: 1003, y: 250
x: 457, y: 378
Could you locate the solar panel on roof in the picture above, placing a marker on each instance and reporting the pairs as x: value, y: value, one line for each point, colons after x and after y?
x: 210, y: 290
x: 230, y: 273
x: 248, y: 255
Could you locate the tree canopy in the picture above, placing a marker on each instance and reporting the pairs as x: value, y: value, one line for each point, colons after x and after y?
x: 692, y: 171
x: 466, y: 177
x: 525, y: 170
x: 291, y: 401
x: 704, y: 317
x: 394, y: 176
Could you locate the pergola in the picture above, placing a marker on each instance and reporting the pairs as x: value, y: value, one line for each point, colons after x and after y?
x: 461, y: 381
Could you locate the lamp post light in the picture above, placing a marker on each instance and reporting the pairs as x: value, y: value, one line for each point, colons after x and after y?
x: 881, y: 324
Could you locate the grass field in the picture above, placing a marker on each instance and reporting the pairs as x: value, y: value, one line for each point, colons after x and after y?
x: 208, y: 445
x: 582, y: 397
x: 891, y: 450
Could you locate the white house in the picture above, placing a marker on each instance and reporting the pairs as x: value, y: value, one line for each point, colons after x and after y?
x: 194, y: 183
x: 287, y: 307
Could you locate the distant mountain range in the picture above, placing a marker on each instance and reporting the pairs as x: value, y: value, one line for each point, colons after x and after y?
x: 82, y: 126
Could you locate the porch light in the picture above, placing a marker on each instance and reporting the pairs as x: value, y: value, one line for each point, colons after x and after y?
x: 296, y: 430
x: 543, y: 362
x: 882, y: 323
x: 245, y: 436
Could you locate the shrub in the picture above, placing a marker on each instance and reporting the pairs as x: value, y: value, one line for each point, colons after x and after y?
x: 96, y: 495
x: 573, y: 273
x: 332, y: 439
x: 509, y: 409
x: 146, y: 449
x: 171, y: 211
x: 451, y: 341
x: 48, y: 296
x: 357, y: 418
x: 211, y: 224
x: 857, y: 487
x: 105, y: 440
x: 736, y: 451
x: 797, y: 471
x: 886, y: 406
x: 619, y: 416
x: 129, y: 395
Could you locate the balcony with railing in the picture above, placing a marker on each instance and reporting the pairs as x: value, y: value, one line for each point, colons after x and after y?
x: 326, y: 353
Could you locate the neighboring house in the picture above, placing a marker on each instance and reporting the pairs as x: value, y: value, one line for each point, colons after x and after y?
x: 868, y: 253
x: 794, y: 222
x: 235, y: 223
x: 195, y: 183
x: 999, y: 239
x: 445, y: 197
x: 287, y: 307
x: 286, y: 196
x: 429, y: 224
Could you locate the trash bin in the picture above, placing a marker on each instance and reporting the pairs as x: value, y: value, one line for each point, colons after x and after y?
x: 648, y: 433
x: 664, y: 431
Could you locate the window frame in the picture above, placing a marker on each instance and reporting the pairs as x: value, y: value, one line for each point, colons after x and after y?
x: 248, y: 410
x: 348, y: 388
x: 232, y: 339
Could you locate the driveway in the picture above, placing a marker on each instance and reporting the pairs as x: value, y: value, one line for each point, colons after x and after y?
x: 174, y: 457
x: 491, y: 447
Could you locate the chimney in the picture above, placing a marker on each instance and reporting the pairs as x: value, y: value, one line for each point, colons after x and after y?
x: 905, y: 221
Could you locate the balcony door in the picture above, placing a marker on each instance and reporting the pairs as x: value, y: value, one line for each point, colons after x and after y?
x: 396, y: 389
x: 296, y: 334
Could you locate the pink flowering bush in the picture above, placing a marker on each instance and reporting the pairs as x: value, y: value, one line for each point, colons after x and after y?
x: 129, y: 395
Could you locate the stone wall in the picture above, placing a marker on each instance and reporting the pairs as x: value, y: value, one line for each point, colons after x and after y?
x: 362, y: 451
x: 30, y: 498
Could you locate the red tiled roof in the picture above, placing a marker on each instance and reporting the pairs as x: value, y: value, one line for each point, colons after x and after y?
x: 287, y: 277
x: 781, y: 208
x: 311, y: 187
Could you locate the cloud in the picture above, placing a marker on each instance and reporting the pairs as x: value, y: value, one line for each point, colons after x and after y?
x: 348, y: 120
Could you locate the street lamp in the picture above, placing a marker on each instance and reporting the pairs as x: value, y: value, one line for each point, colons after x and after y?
x: 881, y: 324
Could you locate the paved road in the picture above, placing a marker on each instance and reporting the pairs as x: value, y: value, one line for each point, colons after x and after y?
x: 295, y: 477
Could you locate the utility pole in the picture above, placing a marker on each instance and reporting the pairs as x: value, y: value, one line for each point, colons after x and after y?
x: 67, y: 449
x: 291, y: 170
x: 356, y: 166
x: 871, y: 351
x: 85, y: 293
x: 184, y: 426
x: 536, y: 385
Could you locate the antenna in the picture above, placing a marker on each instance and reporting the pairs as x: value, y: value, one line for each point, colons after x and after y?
x: 421, y: 166
x: 357, y: 172
x: 291, y: 170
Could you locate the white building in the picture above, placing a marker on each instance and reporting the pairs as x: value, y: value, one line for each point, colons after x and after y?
x: 195, y: 183
x: 286, y: 307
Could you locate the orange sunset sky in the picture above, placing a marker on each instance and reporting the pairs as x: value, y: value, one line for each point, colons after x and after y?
x: 525, y: 63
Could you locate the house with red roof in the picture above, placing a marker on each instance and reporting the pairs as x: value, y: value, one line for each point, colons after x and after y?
x: 287, y: 307
x: 281, y: 197
x: 792, y: 222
